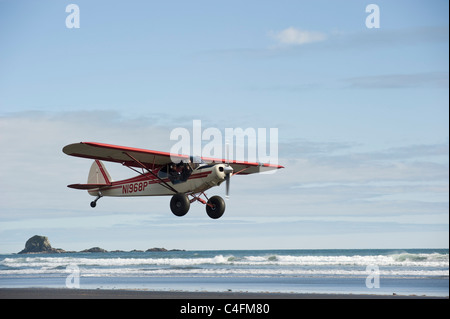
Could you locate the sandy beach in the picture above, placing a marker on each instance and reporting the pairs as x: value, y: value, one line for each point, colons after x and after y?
x: 61, y: 293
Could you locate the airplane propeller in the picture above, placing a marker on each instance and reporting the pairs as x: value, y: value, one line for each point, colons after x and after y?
x: 228, y: 171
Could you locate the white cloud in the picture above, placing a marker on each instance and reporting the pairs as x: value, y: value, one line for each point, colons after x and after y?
x: 293, y: 36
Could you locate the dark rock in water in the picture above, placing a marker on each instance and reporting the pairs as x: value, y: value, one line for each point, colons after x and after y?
x: 40, y: 245
x: 156, y: 250
x: 94, y: 250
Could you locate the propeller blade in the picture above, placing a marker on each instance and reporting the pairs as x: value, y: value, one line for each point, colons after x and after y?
x: 228, y: 172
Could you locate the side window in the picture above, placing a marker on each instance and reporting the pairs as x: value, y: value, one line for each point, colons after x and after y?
x: 163, y: 172
x: 177, y: 173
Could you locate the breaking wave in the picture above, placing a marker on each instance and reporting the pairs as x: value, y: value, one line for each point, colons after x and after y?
x: 233, y: 264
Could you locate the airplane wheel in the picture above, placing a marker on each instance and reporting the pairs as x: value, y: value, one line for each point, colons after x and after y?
x: 93, y: 204
x: 179, y: 204
x: 218, y: 207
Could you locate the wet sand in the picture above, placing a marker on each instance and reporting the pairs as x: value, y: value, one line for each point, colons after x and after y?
x: 62, y: 293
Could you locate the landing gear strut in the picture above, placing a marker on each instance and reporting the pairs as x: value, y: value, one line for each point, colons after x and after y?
x: 94, y: 202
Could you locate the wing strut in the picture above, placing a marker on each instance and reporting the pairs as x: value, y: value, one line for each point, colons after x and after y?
x: 148, y: 170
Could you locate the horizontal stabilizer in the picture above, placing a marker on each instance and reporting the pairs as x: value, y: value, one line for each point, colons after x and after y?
x: 87, y: 186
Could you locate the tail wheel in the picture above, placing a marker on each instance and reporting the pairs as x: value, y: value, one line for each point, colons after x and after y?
x: 215, y: 207
x: 179, y: 204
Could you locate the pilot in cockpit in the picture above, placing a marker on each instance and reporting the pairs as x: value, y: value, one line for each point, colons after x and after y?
x: 179, y: 172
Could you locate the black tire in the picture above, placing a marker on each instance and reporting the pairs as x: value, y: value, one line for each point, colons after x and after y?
x: 179, y: 204
x: 218, y: 207
x: 93, y: 204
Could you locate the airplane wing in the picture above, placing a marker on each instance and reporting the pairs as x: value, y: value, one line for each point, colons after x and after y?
x: 121, y: 154
x: 152, y: 159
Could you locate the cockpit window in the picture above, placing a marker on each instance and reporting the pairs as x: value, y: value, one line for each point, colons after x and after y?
x: 196, y: 162
x: 177, y: 173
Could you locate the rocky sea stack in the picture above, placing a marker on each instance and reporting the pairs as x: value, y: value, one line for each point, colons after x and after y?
x: 40, y: 245
x: 94, y: 250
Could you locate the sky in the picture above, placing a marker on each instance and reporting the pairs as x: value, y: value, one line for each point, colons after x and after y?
x: 362, y: 117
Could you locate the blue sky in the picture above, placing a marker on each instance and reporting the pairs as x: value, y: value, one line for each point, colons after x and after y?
x: 362, y: 116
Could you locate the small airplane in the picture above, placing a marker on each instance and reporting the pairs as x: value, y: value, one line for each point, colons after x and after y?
x: 185, y: 178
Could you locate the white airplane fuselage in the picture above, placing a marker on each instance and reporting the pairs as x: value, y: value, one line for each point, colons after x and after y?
x: 147, y: 184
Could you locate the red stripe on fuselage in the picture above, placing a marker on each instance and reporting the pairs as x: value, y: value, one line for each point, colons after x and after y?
x: 152, y: 180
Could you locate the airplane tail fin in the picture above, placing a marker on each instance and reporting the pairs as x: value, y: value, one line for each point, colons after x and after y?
x: 98, y: 177
x: 98, y: 174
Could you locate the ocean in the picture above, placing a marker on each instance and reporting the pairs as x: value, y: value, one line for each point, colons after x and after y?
x: 422, y: 272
